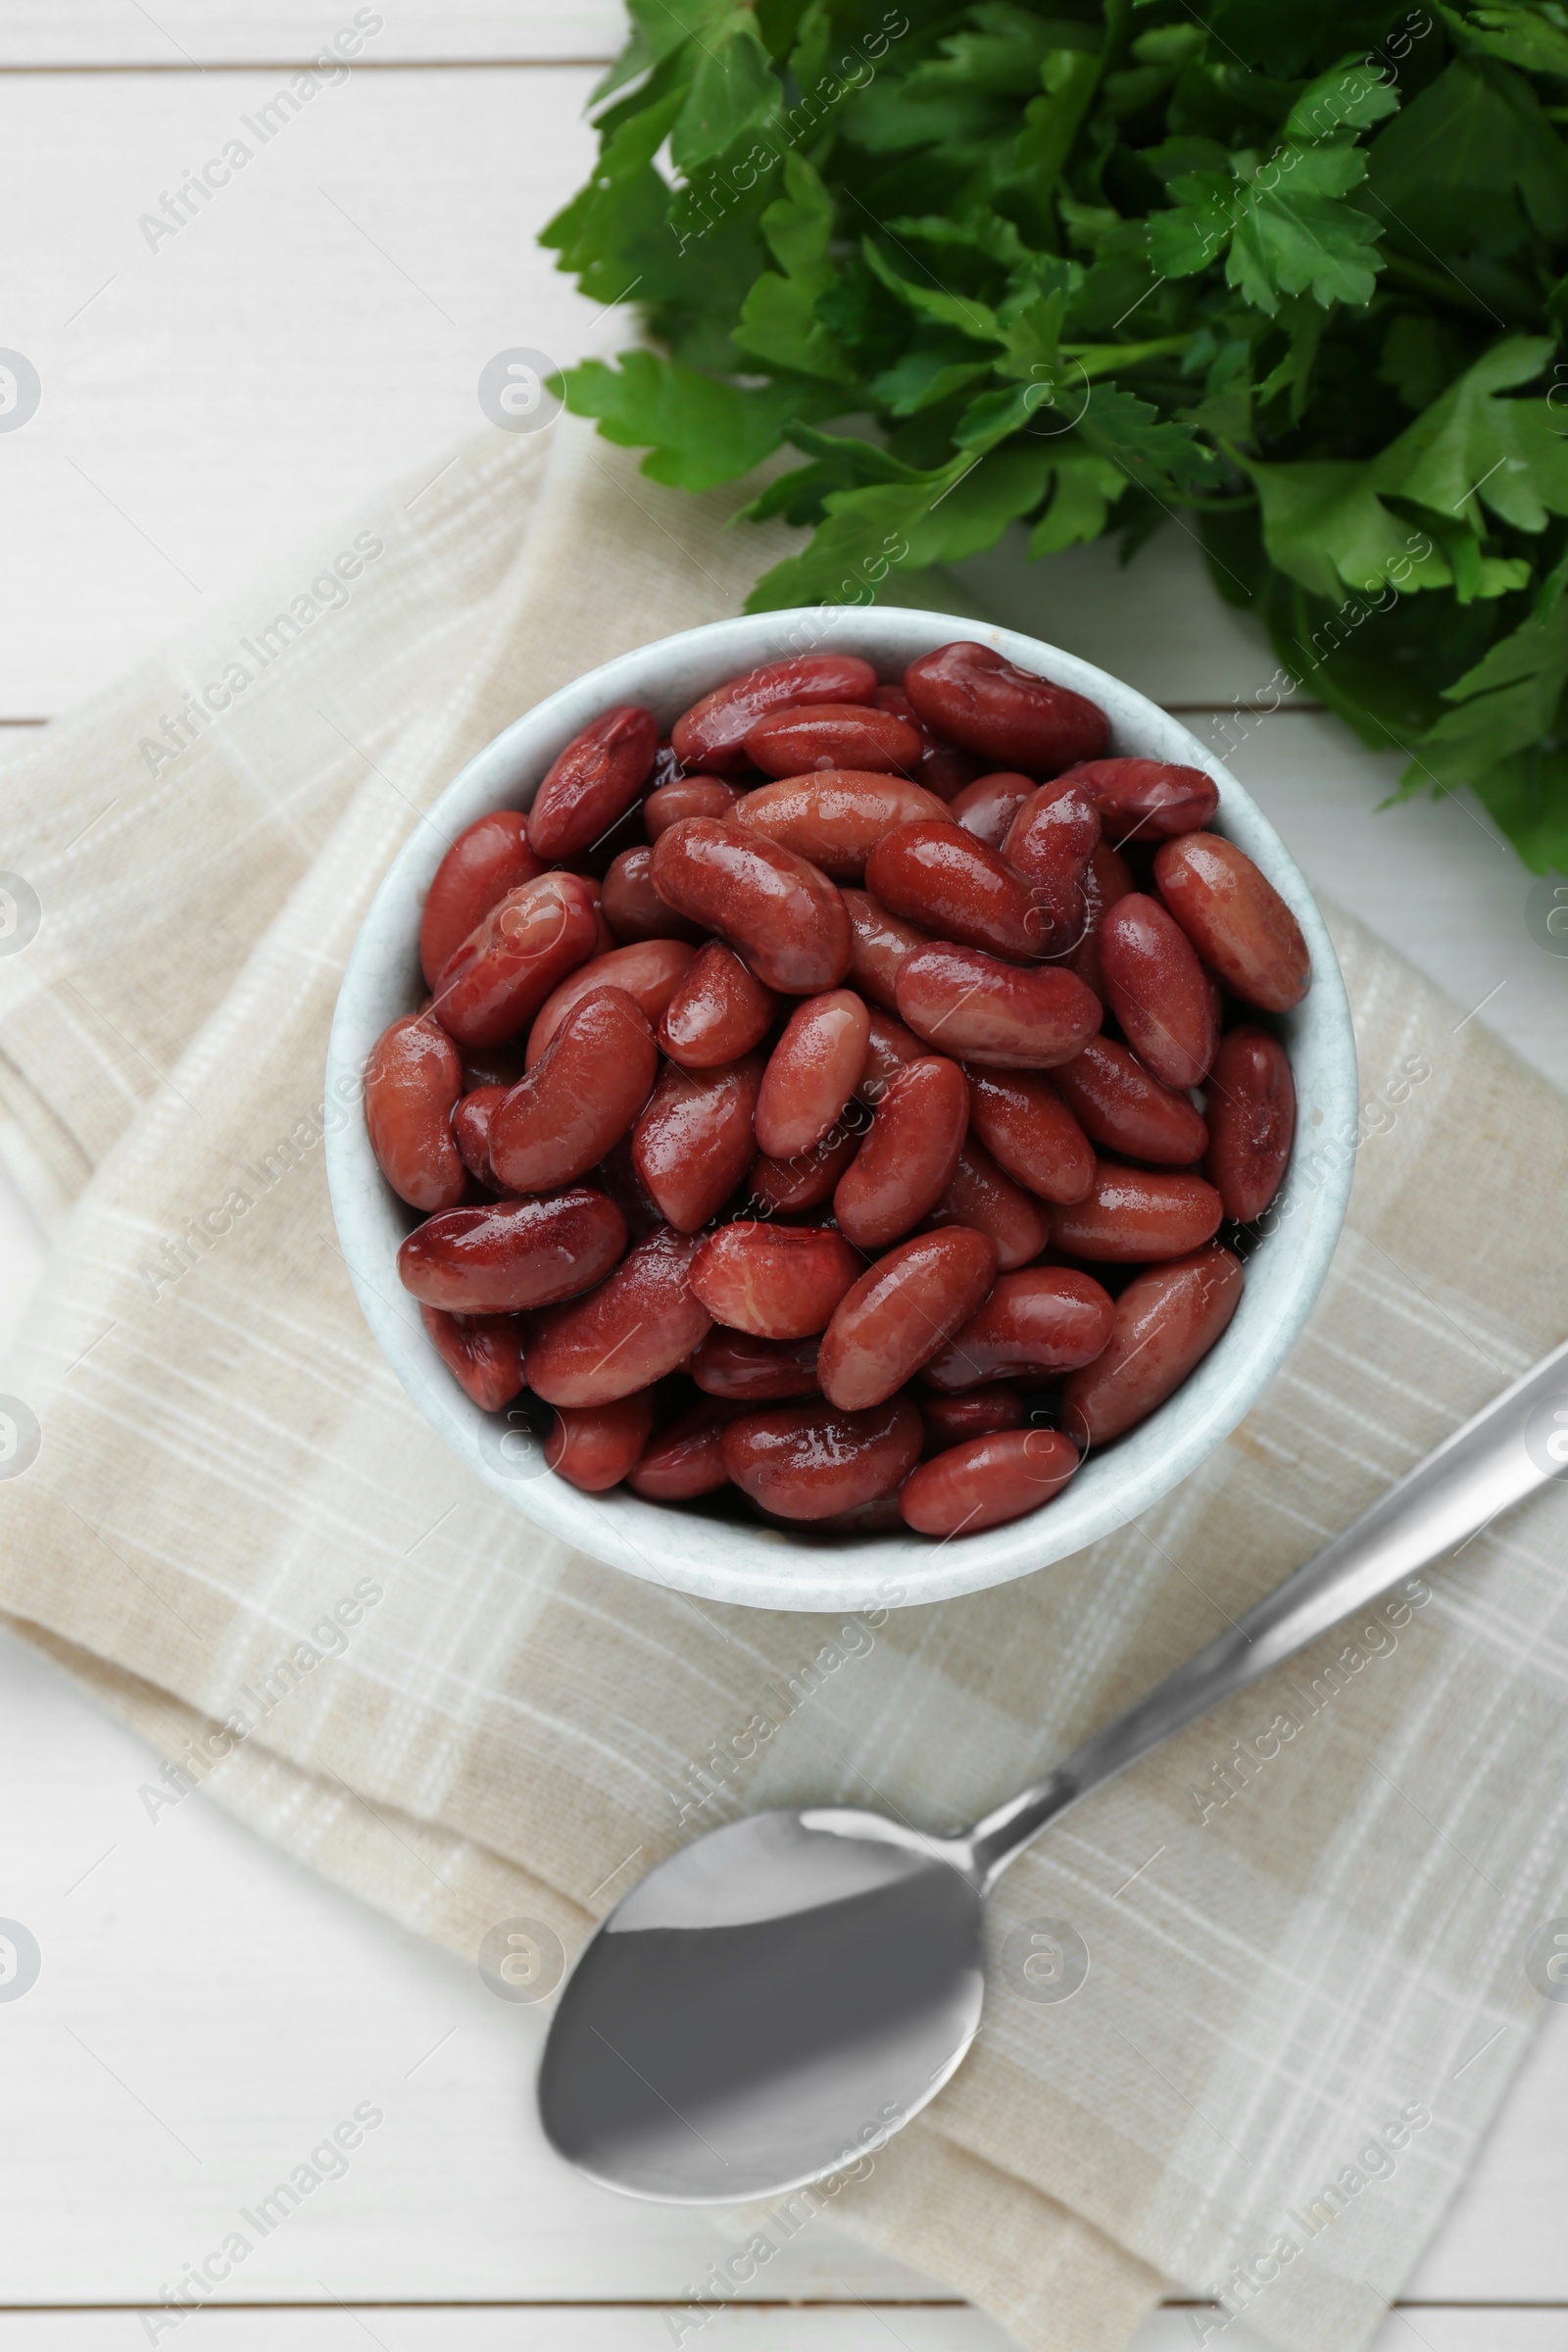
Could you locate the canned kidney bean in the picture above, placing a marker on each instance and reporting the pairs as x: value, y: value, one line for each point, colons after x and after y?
x: 780, y: 913
x: 504, y: 970
x: 488, y: 858
x: 941, y: 767
x: 1040, y: 1321
x: 512, y: 1254
x: 650, y: 972
x: 837, y: 817
x: 985, y: 1481
x: 1051, y: 841
x: 794, y: 741
x: 686, y: 1459
x: 934, y: 874
x: 808, y: 1461
x: 482, y: 1352
x: 745, y: 1370
x: 1158, y: 990
x: 811, y: 1072
x: 1010, y: 716
x: 470, y: 1132
x: 579, y: 1099
x: 711, y: 734
x: 1146, y: 799
x: 980, y: 1194
x: 717, y: 1013
x: 633, y: 909
x: 693, y: 1142
x: 808, y: 1174
x: 1235, y: 920
x: 1166, y: 1322
x: 595, y: 1447
x: 878, y: 945
x: 1028, y: 1129
x: 1251, y: 1122
x: 779, y: 1188
x: 888, y: 1047
x: 971, y: 1413
x: 907, y: 1161
x: 687, y: 796
x: 638, y: 1324
x: 1001, y: 1016
x: 987, y: 806
x: 776, y: 1282
x: 594, y: 781
x: 901, y: 1312
x: 1107, y: 878
x: 1117, y: 1104
x: 1132, y: 1214
x: 411, y: 1081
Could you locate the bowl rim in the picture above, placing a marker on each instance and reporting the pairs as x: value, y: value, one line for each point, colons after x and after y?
x: 781, y: 1567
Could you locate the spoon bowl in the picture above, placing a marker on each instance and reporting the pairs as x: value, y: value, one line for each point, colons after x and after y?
x: 767, y: 2005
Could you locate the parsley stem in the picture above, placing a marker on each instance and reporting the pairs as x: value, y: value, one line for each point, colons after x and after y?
x: 1102, y: 358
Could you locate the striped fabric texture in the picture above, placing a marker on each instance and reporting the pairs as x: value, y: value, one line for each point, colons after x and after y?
x: 1308, y: 1921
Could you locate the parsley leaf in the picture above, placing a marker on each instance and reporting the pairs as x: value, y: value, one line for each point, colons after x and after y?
x: 702, y: 429
x: 1470, y: 165
x: 1157, y: 453
x: 1333, y: 525
x: 1501, y: 736
x: 732, y: 92
x: 1287, y: 231
x: 778, y: 320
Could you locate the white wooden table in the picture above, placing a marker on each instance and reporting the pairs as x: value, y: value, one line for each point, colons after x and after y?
x: 206, y: 2012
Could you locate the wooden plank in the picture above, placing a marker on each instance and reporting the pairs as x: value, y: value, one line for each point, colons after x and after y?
x: 870, y: 2328
x: 1159, y: 622
x: 318, y: 330
x: 1477, y: 2329
x: 177, y: 33
x: 854, y: 2327
x: 1503, y: 2237
x: 206, y: 2014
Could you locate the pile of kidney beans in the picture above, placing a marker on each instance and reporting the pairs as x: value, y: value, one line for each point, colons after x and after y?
x: 806, y: 1106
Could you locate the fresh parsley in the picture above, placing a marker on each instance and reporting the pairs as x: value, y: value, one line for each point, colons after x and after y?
x: 1295, y: 268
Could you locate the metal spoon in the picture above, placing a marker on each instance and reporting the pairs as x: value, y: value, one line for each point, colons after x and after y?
x: 776, y: 1999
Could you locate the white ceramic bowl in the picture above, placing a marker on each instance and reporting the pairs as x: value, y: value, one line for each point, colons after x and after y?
x: 780, y: 1567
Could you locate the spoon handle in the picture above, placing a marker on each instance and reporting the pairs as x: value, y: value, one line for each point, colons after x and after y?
x: 1513, y: 1445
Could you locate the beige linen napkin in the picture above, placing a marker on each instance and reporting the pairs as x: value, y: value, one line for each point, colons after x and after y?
x: 1305, y: 1922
